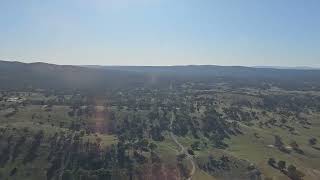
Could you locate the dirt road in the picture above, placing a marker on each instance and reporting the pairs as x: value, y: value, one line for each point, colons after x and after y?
x: 182, y: 149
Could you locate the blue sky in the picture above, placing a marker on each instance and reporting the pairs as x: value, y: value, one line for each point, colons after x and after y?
x: 161, y: 32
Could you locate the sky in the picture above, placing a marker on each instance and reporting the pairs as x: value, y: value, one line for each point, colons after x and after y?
x: 161, y: 32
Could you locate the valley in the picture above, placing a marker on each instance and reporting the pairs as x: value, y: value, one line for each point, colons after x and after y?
x: 177, y: 129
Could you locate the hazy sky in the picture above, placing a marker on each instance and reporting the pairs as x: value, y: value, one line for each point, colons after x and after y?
x: 161, y: 32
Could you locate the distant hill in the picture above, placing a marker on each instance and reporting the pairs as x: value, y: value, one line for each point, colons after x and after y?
x: 285, y: 67
x: 214, y: 70
x: 51, y: 76
x: 48, y: 76
x: 234, y: 75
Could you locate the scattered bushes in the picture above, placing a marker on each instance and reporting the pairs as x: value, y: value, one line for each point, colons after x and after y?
x: 291, y: 171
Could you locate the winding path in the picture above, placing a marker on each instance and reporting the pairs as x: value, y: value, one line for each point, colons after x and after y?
x: 182, y: 149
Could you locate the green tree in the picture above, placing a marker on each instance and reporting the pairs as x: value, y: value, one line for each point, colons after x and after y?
x: 281, y: 165
x: 278, y: 141
x: 294, y: 174
x: 272, y: 162
x: 13, y: 171
x: 312, y: 141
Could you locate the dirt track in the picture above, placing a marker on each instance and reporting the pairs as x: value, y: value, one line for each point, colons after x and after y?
x: 182, y: 149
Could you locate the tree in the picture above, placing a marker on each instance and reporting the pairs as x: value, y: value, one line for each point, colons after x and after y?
x: 281, y: 165
x: 195, y: 146
x: 191, y: 152
x: 296, y: 147
x: 294, y: 174
x: 272, y: 162
x: 103, y: 174
x: 291, y: 168
x: 152, y: 146
x: 13, y: 171
x: 71, y: 113
x: 312, y: 141
x: 32, y: 152
x: 278, y: 141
